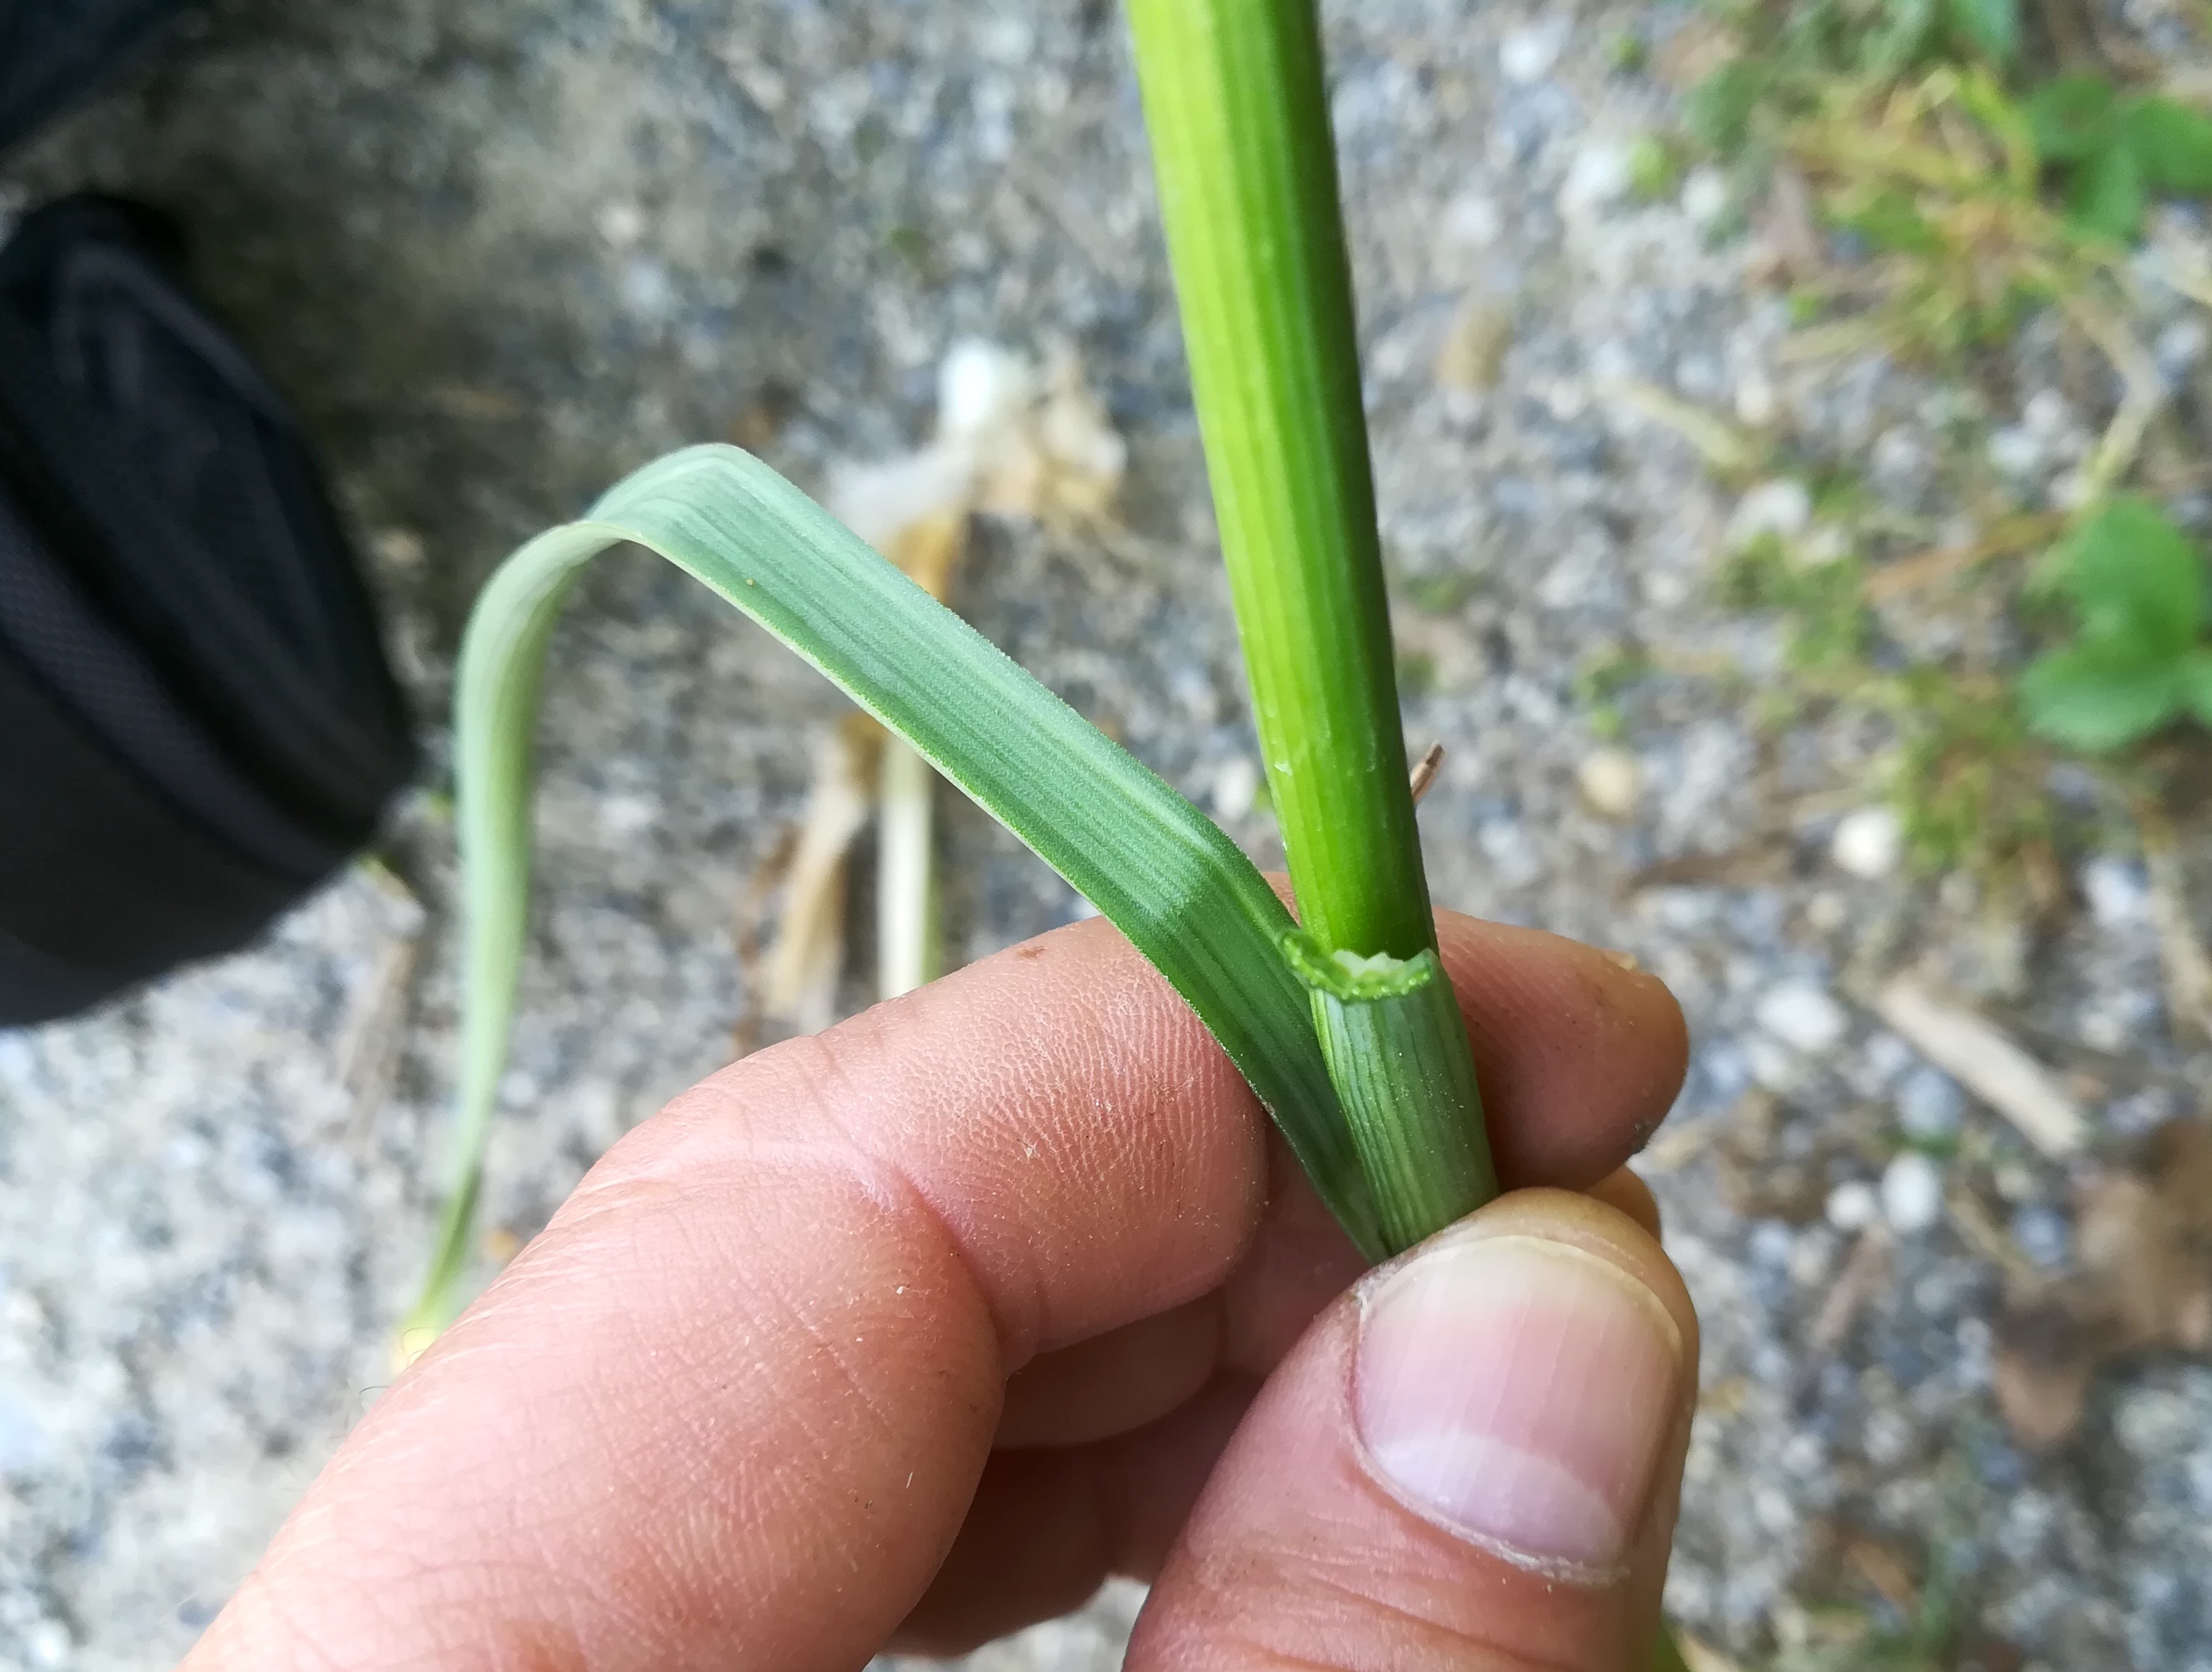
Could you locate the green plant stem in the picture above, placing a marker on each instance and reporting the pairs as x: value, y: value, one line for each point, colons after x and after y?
x: 1241, y: 143
x: 1238, y: 116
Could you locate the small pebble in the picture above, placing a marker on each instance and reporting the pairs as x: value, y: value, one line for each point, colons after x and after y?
x: 1473, y: 221
x: 1827, y: 911
x: 1472, y: 356
x: 1803, y: 1016
x: 1899, y: 455
x: 48, y: 1644
x: 1770, y: 1244
x: 646, y: 287
x: 1869, y: 843
x: 23, y: 1442
x: 2042, y: 1235
x: 2015, y: 453
x: 2047, y: 415
x: 1853, y: 1206
x: 1782, y: 507
x: 2118, y: 896
x: 1887, y: 1056
x: 2179, y: 347
x: 622, y: 224
x: 1913, y: 1192
x: 1600, y: 176
x: 1929, y: 1105
x: 1611, y: 780
x: 1527, y: 54
x: 1705, y: 196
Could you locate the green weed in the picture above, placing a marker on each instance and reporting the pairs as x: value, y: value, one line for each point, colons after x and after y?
x: 1967, y: 187
x: 2139, y: 659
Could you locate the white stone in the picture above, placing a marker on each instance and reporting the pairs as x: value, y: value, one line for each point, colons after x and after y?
x: 1930, y: 1105
x: 2046, y: 415
x: 1853, y: 1206
x: 2180, y: 346
x: 621, y: 223
x: 1611, y: 780
x: 647, y: 288
x: 981, y: 386
x: 47, y: 1645
x: 1756, y: 402
x: 1898, y: 454
x: 1472, y: 221
x: 1803, y: 1016
x: 2119, y: 898
x: 2015, y: 452
x: 1869, y: 843
x: 1599, y: 177
x: 1783, y: 507
x: 1705, y: 196
x: 1913, y: 1192
x: 1527, y: 54
x: 1824, y: 543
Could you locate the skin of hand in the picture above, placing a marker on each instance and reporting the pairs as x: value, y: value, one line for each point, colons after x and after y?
x: 909, y: 1334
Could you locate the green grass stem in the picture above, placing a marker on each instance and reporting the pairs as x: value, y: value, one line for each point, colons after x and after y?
x: 1238, y: 115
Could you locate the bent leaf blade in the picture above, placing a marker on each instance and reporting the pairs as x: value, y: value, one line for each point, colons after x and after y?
x: 1184, y: 894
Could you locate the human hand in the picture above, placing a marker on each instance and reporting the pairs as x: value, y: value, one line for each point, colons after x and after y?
x: 912, y: 1333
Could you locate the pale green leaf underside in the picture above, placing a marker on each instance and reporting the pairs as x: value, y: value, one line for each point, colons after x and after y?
x: 1183, y: 893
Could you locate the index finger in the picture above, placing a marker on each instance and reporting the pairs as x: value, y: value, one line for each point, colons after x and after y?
x: 729, y: 1409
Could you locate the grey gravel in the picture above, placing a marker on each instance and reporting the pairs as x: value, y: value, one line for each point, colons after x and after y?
x: 501, y: 250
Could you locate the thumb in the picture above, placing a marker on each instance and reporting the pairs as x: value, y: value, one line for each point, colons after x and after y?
x: 1473, y: 1460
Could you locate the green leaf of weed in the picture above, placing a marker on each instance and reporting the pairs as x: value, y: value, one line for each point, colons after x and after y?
x: 2094, y: 698
x: 2136, y: 579
x: 2172, y: 143
x: 2107, y: 195
x: 2073, y: 117
x: 1718, y: 109
x: 1990, y: 27
x: 2197, y: 685
x: 1891, y: 222
x: 1902, y: 36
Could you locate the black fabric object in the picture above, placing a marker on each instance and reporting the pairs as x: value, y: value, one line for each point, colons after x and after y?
x: 54, y: 51
x: 197, y: 724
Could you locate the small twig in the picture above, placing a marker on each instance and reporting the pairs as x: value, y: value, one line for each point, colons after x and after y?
x: 1983, y: 1059
x: 1702, y: 1657
x: 1863, y: 1273
x: 1981, y: 1232
x: 374, y: 1031
x: 2005, y: 537
x: 1425, y: 769
x: 1721, y: 444
x: 747, y: 925
x: 1831, y: 342
x: 2186, y: 268
x: 2188, y: 967
x: 2144, y: 390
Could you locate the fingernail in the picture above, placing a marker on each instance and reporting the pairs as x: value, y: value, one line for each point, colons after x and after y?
x: 1519, y: 1392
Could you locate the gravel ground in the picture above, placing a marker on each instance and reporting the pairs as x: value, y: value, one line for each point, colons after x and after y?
x: 501, y: 250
